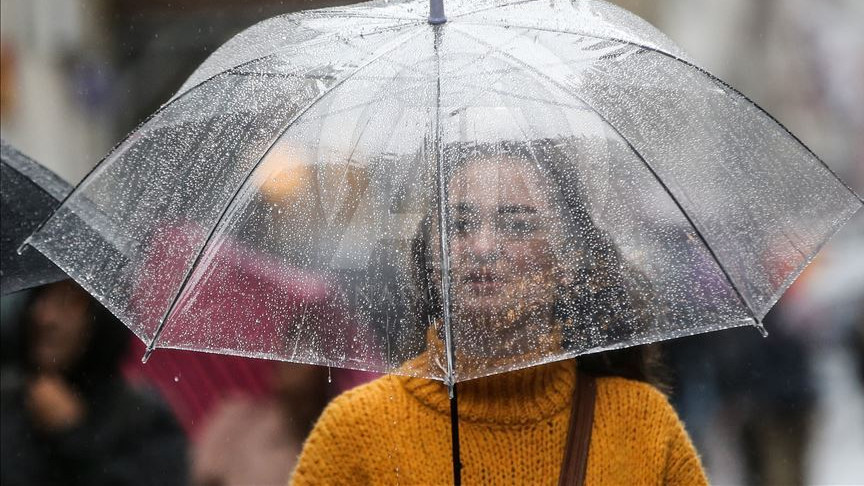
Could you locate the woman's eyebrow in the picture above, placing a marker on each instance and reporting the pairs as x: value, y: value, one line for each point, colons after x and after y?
x: 516, y: 209
x: 464, y: 208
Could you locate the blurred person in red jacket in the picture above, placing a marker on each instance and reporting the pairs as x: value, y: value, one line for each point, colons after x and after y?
x: 257, y: 441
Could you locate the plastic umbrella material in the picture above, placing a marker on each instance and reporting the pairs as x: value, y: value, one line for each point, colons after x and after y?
x: 347, y: 143
x: 29, y: 194
x: 495, y: 186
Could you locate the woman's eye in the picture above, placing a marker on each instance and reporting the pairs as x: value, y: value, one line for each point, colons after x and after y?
x: 518, y: 227
x: 462, y: 226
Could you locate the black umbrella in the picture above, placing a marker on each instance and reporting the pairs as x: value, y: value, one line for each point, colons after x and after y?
x: 30, y: 193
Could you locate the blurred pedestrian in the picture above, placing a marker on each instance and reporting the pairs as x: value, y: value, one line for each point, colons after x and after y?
x: 761, y: 392
x: 257, y: 441
x: 768, y: 393
x: 69, y: 418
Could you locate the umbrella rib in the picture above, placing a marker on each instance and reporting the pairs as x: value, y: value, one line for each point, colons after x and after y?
x: 152, y: 345
x: 513, y: 59
x: 701, y: 70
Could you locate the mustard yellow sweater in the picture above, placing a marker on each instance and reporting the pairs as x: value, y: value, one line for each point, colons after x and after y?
x: 396, y: 430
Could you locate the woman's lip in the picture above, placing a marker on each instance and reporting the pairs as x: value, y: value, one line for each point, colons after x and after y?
x: 481, y: 276
x: 484, y: 284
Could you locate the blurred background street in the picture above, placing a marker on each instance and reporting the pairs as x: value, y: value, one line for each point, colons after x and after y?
x: 78, y: 75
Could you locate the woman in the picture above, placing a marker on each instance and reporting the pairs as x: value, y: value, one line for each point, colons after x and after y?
x: 531, y: 277
x: 71, y: 419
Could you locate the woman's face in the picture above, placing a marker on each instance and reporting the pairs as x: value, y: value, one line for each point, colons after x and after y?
x: 502, y: 238
x: 60, y: 326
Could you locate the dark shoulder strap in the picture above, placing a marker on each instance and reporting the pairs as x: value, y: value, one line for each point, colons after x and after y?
x: 579, y: 434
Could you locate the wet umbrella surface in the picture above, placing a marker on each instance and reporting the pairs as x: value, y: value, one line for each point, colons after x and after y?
x: 524, y: 183
x: 29, y: 194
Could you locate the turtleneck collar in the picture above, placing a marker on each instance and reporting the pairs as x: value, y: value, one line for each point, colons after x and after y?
x: 514, y: 398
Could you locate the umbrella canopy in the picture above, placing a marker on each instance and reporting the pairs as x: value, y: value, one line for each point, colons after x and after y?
x: 524, y: 183
x: 29, y: 194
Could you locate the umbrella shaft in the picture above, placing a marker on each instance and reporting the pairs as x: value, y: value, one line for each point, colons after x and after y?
x: 454, y: 437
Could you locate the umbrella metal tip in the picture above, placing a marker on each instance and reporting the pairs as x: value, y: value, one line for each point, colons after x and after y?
x: 22, y: 246
x: 761, y: 328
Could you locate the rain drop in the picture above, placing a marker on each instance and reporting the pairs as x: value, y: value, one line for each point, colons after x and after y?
x: 177, y: 379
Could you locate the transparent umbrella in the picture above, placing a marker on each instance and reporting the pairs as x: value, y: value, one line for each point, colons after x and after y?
x: 525, y: 182
x: 28, y: 195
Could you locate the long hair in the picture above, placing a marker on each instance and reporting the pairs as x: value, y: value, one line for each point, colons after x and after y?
x: 595, y: 307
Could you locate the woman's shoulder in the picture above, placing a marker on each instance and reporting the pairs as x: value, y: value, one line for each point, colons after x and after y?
x: 385, y: 386
x: 632, y: 398
x: 344, y: 443
x: 636, y: 425
x: 627, y: 386
x: 364, y: 402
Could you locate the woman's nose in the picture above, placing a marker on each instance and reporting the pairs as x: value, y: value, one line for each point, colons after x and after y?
x: 482, y: 243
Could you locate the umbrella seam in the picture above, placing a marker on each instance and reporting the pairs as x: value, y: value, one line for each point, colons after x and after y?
x: 162, y: 324
x: 687, y: 216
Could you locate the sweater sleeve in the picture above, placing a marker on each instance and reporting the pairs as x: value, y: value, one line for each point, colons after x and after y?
x: 683, y: 466
x: 337, y: 448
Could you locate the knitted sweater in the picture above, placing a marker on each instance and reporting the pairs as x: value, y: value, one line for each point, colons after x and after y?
x: 512, y: 431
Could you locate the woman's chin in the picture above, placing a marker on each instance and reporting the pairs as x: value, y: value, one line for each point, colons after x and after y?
x: 485, y: 309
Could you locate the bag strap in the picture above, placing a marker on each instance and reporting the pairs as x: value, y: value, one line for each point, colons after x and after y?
x: 575, y: 464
